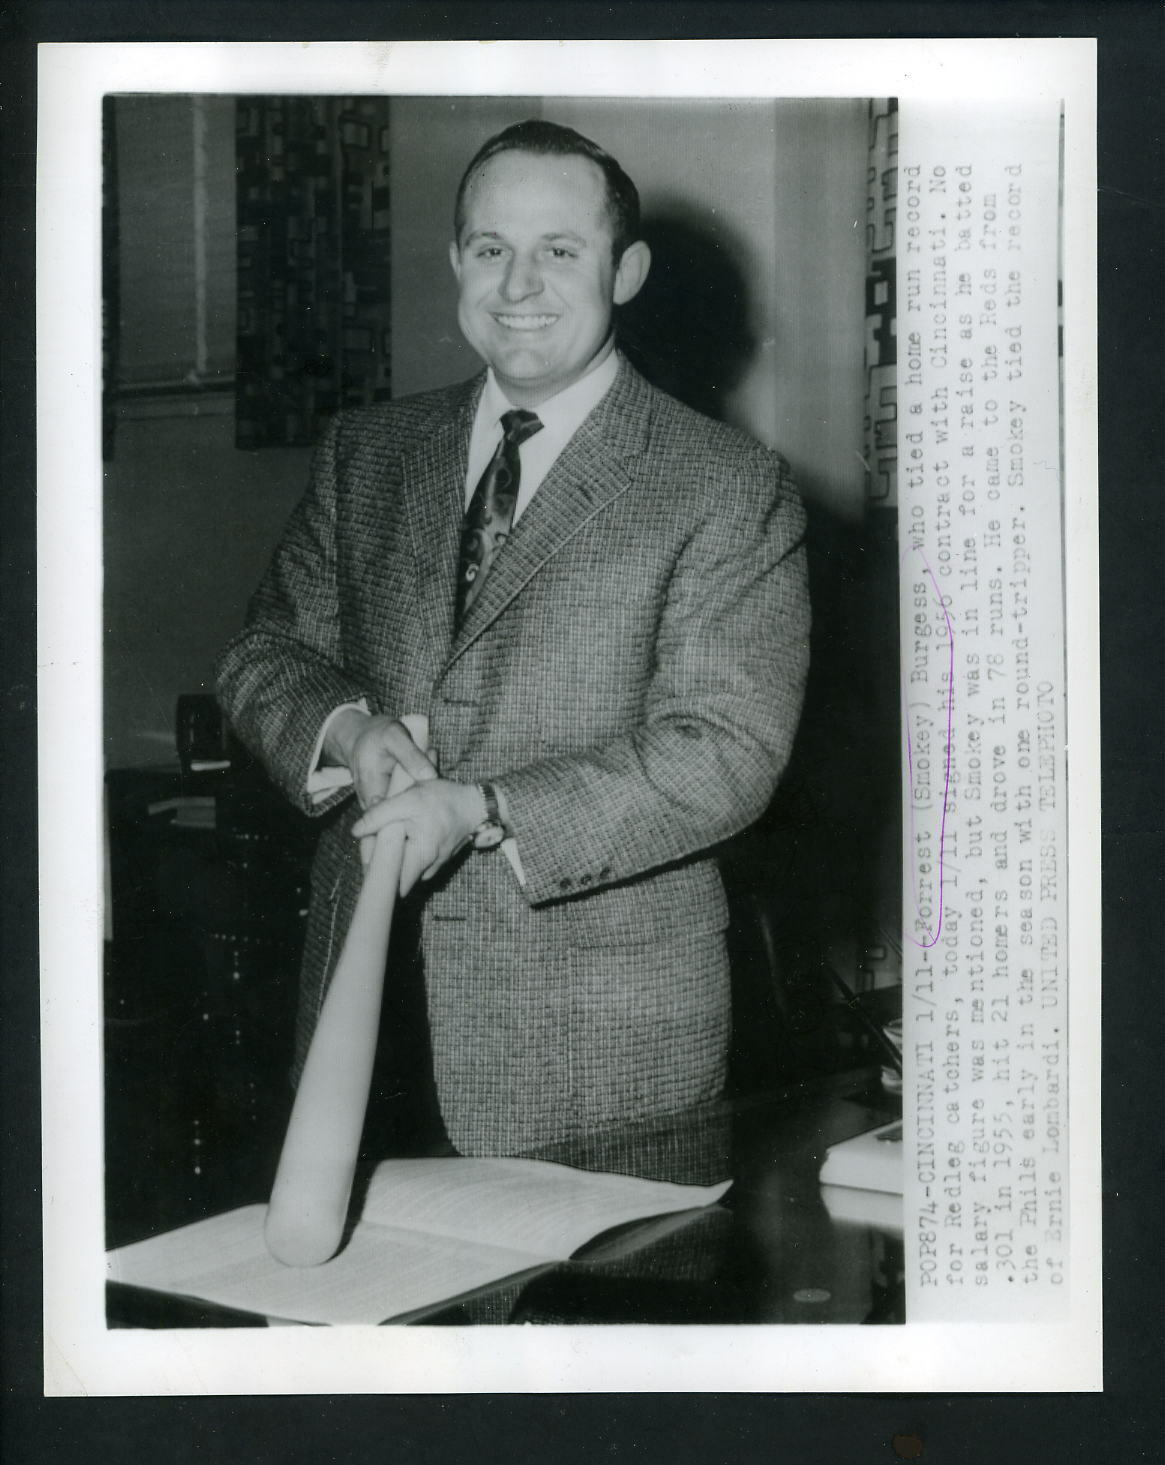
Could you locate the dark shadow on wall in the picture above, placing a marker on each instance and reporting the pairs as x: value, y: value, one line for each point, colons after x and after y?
x: 689, y: 330
x: 844, y: 772
x: 815, y: 884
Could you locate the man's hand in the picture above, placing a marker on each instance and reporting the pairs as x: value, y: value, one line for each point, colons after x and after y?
x: 370, y: 747
x: 437, y: 818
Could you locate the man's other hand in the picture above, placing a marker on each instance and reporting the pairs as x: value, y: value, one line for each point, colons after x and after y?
x: 370, y: 747
x: 437, y: 818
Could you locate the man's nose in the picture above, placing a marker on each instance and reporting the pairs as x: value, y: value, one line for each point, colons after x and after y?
x: 523, y: 278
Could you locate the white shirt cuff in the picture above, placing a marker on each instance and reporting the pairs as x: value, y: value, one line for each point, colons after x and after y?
x: 323, y: 782
x: 510, y: 850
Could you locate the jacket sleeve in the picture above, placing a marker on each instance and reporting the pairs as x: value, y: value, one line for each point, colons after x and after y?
x: 281, y: 678
x: 731, y: 658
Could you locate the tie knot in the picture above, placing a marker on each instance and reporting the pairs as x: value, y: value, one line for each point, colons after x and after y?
x: 519, y: 425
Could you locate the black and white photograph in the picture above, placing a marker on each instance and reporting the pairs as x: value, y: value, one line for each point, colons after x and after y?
x: 642, y: 857
x: 582, y: 701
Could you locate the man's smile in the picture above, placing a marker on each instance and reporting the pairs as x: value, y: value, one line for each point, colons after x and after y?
x: 524, y: 322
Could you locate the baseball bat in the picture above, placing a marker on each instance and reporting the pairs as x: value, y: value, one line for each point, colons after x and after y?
x: 313, y: 1182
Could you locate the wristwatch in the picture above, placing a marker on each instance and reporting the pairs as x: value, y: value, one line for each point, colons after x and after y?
x: 491, y: 831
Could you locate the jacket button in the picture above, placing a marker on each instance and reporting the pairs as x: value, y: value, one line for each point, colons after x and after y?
x: 584, y: 879
x: 564, y: 883
x: 604, y: 872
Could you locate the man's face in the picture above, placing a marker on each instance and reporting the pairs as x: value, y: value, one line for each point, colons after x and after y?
x: 535, y: 271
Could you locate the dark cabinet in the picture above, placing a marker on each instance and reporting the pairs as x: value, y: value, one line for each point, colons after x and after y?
x: 209, y: 876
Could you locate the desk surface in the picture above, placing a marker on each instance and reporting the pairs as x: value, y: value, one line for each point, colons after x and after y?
x: 770, y: 1253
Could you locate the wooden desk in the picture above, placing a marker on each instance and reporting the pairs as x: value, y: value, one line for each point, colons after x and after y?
x: 771, y: 1253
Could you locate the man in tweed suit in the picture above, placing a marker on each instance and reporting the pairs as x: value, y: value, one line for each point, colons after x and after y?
x: 618, y: 695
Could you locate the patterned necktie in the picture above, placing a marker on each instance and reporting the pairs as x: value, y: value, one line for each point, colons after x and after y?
x: 491, y: 509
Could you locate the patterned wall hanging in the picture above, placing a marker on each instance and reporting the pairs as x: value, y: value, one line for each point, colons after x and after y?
x: 881, y: 310
x: 313, y: 263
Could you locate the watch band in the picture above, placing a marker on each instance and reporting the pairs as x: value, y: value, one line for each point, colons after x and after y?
x: 489, y: 794
x: 491, y: 831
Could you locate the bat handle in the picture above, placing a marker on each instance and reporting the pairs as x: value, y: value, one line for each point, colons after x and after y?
x: 313, y: 1183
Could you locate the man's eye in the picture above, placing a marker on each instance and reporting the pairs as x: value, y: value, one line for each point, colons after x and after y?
x: 559, y: 251
x: 489, y: 251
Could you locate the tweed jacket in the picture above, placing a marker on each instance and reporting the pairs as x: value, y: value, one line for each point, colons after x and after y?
x: 631, y: 675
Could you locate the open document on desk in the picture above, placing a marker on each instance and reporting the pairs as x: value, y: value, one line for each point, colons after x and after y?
x: 430, y: 1231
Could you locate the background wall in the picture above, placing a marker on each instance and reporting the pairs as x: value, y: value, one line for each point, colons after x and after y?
x: 189, y: 520
x: 189, y: 526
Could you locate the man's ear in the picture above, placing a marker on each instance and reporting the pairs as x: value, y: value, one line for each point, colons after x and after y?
x: 455, y: 259
x: 631, y: 272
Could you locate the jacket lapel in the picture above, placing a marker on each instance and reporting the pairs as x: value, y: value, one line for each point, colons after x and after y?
x: 433, y: 496
x: 593, y: 470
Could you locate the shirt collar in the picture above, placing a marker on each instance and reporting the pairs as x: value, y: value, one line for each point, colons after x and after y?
x: 562, y: 414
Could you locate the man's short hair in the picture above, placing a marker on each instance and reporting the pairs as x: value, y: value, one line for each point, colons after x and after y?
x: 551, y: 139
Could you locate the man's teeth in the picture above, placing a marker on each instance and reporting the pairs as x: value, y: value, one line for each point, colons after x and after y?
x: 526, y: 322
